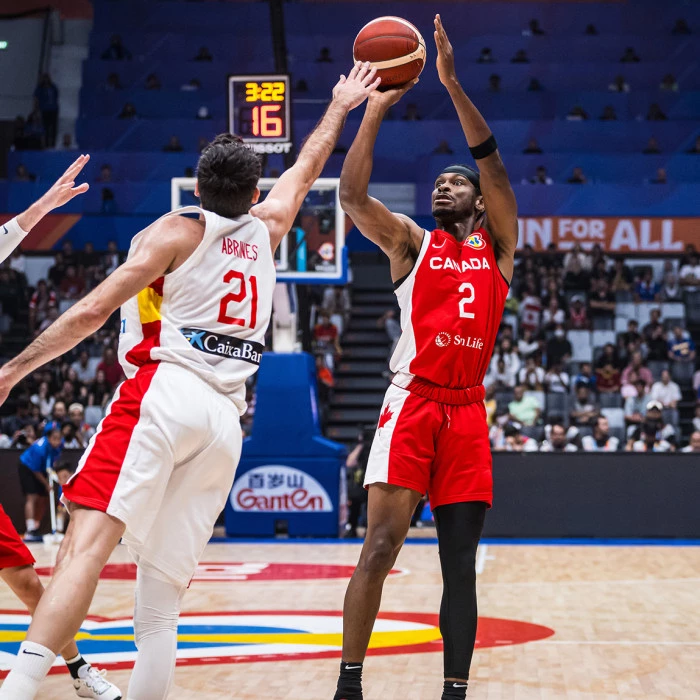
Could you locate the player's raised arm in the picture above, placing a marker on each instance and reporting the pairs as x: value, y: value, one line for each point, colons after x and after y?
x: 282, y: 204
x: 166, y: 241
x: 396, y: 234
x: 499, y: 198
x: 61, y: 192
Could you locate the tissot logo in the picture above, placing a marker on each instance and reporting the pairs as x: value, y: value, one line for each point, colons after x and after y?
x: 224, y: 345
x: 442, y: 340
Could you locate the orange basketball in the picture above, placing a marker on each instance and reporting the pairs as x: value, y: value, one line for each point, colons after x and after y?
x: 394, y: 46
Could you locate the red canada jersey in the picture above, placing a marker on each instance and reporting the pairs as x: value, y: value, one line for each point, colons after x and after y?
x: 451, y: 307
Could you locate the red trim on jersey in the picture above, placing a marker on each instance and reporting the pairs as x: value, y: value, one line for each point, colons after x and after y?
x: 94, y: 483
x: 157, y: 286
x: 140, y: 354
x: 13, y: 552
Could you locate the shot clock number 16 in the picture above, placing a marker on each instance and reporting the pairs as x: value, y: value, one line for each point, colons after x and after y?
x: 259, y: 111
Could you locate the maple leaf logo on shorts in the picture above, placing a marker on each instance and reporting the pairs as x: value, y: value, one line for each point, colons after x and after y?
x: 385, y: 417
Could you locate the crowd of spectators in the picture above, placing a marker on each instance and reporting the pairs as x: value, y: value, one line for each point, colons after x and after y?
x: 628, y: 391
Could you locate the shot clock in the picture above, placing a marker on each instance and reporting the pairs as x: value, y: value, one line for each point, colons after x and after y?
x: 259, y: 111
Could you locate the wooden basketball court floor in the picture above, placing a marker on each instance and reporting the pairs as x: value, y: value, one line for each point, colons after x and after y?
x: 616, y: 621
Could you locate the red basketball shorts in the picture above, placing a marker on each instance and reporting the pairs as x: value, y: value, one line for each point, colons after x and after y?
x: 13, y: 552
x: 433, y: 447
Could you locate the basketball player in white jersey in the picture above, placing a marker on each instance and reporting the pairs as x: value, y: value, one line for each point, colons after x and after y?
x: 196, y: 298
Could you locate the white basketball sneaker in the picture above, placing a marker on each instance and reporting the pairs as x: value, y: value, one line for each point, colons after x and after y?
x: 93, y: 684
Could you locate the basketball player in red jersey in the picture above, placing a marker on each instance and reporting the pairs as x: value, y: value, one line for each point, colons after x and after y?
x: 432, y: 435
x: 196, y: 299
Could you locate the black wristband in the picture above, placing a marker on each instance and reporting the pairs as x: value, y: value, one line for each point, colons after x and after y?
x: 484, y: 149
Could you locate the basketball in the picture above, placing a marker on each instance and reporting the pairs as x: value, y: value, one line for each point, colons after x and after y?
x: 393, y: 46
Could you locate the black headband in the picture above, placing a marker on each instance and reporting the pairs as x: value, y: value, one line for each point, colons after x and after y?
x: 464, y: 170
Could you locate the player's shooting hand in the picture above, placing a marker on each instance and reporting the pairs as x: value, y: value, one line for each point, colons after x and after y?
x: 389, y: 97
x: 360, y: 83
x: 64, y: 189
x: 445, y: 55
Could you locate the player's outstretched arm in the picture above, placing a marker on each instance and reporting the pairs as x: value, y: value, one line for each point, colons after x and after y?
x: 168, y: 240
x: 499, y: 198
x: 62, y: 191
x: 282, y: 204
x: 396, y: 234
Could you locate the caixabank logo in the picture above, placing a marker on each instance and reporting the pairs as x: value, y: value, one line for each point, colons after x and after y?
x: 274, y: 635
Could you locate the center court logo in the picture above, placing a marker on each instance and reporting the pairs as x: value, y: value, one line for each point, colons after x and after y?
x: 238, y: 637
x: 443, y: 339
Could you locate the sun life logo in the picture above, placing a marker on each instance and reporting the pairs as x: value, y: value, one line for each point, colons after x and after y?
x: 475, y: 241
x: 443, y: 339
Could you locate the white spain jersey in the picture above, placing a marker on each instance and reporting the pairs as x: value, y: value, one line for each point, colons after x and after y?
x: 211, y: 313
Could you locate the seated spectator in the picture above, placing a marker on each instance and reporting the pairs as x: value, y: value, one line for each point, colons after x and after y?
x: 528, y: 344
x: 23, y: 175
x: 694, y: 445
x: 533, y: 147
x: 326, y: 340
x: 577, y: 177
x: 681, y: 346
x: 584, y: 410
x: 636, y: 365
x: 608, y: 378
x: 601, y: 440
x: 520, y: 57
x: 19, y: 420
x: 666, y: 391
x: 602, y: 301
x: 173, y: 145
x: 608, y: 114
x: 72, y: 285
x: 578, y: 314
x: 128, y: 111
x: 67, y: 143
x: 324, y: 55
x: 629, y: 56
x: 655, y: 113
x: 110, y: 366
x: 40, y: 303
x: 99, y: 391
x: 113, y: 83
x: 577, y: 114
x: 534, y: 85
x: 494, y: 82
x: 636, y: 406
x: 695, y: 148
x: 58, y: 417
x: 690, y: 274
x: 486, y: 56
x: 533, y: 28
x: 556, y: 380
x: 524, y: 408
x: 621, y: 277
x: 84, y: 369
x: 646, y: 289
x: 619, y: 84
x: 653, y: 434
x: 669, y: 83
x: 499, y: 376
x: 558, y: 347
x: 670, y: 288
x: 83, y: 431
x: 515, y: 441
x: 652, y: 147
x: 540, y: 177
x: 203, y: 55
x: 411, y: 114
x: 105, y: 174
x: 116, y: 50
x: 531, y: 375
x: 656, y: 339
x: 661, y: 177
x: 577, y: 254
x: 552, y: 316
x: 153, y: 82
x: 44, y: 400
x: 557, y: 440
x: 585, y: 377
x: 443, y: 148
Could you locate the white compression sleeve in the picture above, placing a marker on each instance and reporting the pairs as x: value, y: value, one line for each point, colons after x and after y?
x: 156, y: 613
x: 11, y: 235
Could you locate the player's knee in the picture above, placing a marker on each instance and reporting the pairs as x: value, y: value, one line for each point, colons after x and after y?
x: 157, y: 607
x: 379, y: 556
x: 460, y: 566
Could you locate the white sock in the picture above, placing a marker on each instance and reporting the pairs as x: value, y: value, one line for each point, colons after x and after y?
x: 32, y: 525
x: 31, y: 665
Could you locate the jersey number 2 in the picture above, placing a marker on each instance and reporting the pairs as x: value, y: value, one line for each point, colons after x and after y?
x: 238, y: 297
x: 466, y: 287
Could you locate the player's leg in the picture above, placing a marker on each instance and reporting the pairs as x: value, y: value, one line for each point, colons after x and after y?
x: 91, y: 537
x: 459, y: 527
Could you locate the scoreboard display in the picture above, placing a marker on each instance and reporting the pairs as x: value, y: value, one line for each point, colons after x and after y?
x: 259, y: 111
